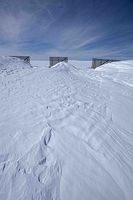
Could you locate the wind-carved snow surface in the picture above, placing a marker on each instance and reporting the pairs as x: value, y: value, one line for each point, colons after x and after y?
x: 66, y: 133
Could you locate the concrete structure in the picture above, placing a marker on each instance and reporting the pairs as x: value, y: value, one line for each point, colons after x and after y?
x: 55, y: 60
x: 24, y: 58
x: 98, y: 62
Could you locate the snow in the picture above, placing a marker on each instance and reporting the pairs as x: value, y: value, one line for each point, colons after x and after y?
x: 83, y: 65
x: 66, y: 133
x: 40, y: 63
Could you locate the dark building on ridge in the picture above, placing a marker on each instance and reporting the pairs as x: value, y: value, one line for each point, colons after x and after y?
x: 55, y: 60
x: 96, y: 62
x: 24, y: 58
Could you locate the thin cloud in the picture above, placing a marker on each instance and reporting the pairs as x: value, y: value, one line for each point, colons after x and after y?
x: 42, y: 28
x: 13, y: 26
x: 78, y: 37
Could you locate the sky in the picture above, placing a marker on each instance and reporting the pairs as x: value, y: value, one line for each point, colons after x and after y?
x: 79, y: 29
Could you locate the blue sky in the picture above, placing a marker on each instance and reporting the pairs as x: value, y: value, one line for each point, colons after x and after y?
x: 79, y: 29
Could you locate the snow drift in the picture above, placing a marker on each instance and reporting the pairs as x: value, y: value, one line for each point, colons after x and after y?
x: 66, y: 133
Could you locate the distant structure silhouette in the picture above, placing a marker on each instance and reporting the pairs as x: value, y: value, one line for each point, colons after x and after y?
x: 24, y: 58
x: 96, y: 62
x: 55, y: 60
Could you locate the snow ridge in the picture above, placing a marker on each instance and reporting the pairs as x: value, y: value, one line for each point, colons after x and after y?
x: 66, y: 133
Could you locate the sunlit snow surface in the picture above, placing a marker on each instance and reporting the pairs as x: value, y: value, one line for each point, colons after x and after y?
x: 79, y: 64
x: 66, y: 133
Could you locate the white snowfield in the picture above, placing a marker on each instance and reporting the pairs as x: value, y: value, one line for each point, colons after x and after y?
x: 45, y: 63
x: 66, y: 133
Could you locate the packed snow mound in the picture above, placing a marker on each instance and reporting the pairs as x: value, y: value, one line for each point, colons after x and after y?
x: 66, y: 133
x: 10, y: 65
x: 61, y: 66
x: 64, y: 67
x: 121, y: 72
x: 120, y: 66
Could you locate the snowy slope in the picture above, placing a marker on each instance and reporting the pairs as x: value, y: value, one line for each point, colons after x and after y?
x: 66, y: 133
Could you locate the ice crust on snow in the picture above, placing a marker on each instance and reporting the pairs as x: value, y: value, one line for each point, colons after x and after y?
x: 66, y: 132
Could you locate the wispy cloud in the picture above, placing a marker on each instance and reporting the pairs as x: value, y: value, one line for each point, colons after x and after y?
x: 80, y: 30
x: 76, y: 37
x: 13, y: 26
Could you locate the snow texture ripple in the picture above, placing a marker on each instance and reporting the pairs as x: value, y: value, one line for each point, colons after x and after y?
x: 66, y: 132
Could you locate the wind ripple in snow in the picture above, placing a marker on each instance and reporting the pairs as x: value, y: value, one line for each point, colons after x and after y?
x: 67, y: 134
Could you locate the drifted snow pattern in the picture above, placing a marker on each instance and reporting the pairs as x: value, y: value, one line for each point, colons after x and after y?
x: 66, y: 132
